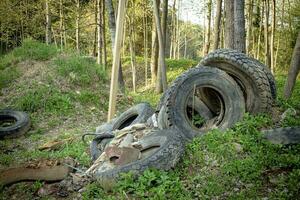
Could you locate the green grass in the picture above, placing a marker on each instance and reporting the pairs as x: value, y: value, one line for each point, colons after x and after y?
x: 79, y: 70
x: 8, y: 75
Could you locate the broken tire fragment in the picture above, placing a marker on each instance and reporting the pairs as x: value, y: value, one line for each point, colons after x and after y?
x: 134, y: 115
x: 164, y: 155
x: 175, y: 112
x: 13, y: 123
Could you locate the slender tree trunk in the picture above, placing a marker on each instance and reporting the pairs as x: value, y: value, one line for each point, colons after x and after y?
x: 104, y: 34
x: 61, y: 24
x: 260, y: 31
x: 154, y: 53
x: 279, y: 37
x: 294, y: 70
x: 99, y: 32
x: 217, y: 26
x: 229, y: 24
x: 132, y: 53
x: 178, y: 32
x: 112, y: 27
x: 273, y: 36
x: 145, y: 25
x: 95, y: 42
x: 239, y: 26
x: 77, y: 25
x: 266, y: 35
x: 249, y: 26
x: 48, y: 23
x: 164, y: 21
x: 207, y: 37
x: 161, y: 84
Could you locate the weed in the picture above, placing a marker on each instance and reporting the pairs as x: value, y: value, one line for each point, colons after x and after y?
x: 7, y: 75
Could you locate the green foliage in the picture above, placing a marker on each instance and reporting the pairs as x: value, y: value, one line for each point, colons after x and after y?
x: 7, y: 76
x: 79, y: 70
x: 177, y: 67
x: 34, y: 50
x: 44, y: 99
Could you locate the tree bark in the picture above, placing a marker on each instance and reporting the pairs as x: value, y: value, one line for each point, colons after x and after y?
x: 273, y: 36
x: 260, y: 32
x: 145, y: 25
x: 239, y: 26
x: 229, y: 24
x: 207, y: 37
x: 61, y: 24
x: 154, y: 53
x: 48, y: 23
x: 161, y: 84
x: 77, y: 25
x: 99, y: 32
x: 266, y: 34
x: 249, y: 25
x: 294, y: 70
x: 217, y: 26
x: 112, y: 27
x: 104, y: 34
x: 164, y: 20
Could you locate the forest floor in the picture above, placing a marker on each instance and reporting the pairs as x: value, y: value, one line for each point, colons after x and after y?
x: 66, y: 95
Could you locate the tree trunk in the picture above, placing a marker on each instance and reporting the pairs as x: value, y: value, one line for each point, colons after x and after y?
x: 161, y: 84
x: 273, y: 36
x: 239, y: 26
x: 61, y: 23
x: 207, y: 37
x: 104, y: 34
x: 177, y: 52
x: 95, y: 42
x: 279, y: 37
x: 77, y: 25
x: 249, y: 26
x: 145, y: 25
x: 266, y: 35
x: 132, y: 53
x: 229, y: 24
x: 48, y: 23
x: 294, y: 70
x: 154, y: 54
x: 260, y: 32
x: 164, y: 20
x: 99, y: 32
x: 112, y: 27
x: 217, y: 26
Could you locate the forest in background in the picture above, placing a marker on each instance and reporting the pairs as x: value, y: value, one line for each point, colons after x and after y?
x: 85, y: 25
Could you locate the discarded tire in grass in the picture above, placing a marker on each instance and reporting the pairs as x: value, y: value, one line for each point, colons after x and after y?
x: 284, y: 136
x: 175, y: 110
x: 250, y: 77
x: 160, y: 149
x: 13, y: 123
x: 134, y: 115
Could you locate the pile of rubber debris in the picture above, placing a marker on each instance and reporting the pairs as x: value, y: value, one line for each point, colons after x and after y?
x: 215, y: 94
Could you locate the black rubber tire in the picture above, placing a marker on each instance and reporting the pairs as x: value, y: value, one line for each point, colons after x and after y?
x: 251, y: 78
x: 173, y: 112
x: 141, y: 112
x: 264, y: 68
x: 164, y: 158
x: 20, y: 126
x: 283, y: 136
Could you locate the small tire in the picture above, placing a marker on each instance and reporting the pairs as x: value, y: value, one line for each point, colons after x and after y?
x: 20, y: 126
x: 165, y: 157
x: 173, y: 112
x: 250, y: 77
x: 139, y: 113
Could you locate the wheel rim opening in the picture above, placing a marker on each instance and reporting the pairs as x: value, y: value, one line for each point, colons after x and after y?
x: 7, y: 121
x: 204, y: 108
x: 128, y: 121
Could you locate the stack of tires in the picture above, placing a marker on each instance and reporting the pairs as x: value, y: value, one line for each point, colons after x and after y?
x: 215, y: 94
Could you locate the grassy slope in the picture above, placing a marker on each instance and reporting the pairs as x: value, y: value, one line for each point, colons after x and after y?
x: 67, y: 95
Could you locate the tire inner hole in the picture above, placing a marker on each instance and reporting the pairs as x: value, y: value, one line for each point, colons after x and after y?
x: 205, y: 108
x: 6, y: 121
x: 128, y: 121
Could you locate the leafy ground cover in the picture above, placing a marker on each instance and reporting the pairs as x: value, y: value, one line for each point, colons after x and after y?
x: 66, y: 95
